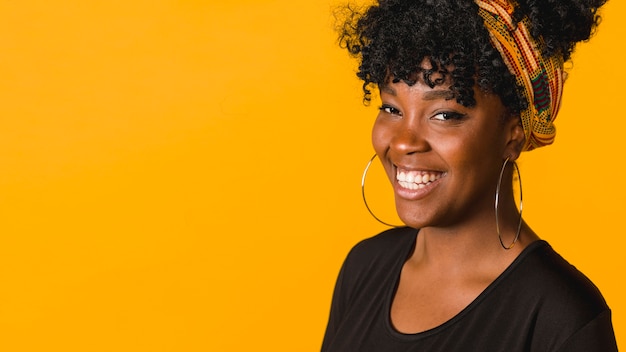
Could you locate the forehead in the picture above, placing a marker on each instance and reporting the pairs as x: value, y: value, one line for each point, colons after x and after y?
x: 431, y: 72
x: 431, y: 86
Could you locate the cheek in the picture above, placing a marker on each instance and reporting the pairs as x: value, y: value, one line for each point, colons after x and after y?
x: 480, y: 153
x: 380, y: 138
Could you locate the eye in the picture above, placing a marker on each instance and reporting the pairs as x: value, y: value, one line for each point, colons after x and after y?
x: 448, y: 115
x: 388, y: 109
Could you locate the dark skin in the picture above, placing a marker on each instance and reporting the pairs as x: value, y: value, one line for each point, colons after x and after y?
x: 450, y: 157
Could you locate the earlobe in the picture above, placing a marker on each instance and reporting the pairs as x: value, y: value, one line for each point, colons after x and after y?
x: 516, y: 139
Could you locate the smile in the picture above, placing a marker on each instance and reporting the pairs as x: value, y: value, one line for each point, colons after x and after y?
x: 414, y: 180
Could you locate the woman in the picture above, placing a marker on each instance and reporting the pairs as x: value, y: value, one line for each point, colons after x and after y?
x: 465, y: 86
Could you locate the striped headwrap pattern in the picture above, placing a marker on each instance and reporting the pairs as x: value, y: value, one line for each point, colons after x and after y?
x: 542, y: 77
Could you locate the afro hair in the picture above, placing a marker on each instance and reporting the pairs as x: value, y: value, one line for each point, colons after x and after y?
x: 392, y: 38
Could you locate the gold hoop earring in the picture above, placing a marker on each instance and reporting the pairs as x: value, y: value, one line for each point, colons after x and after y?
x: 519, y: 225
x: 367, y: 167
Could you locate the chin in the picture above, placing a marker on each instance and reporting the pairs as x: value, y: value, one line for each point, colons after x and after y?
x: 413, y: 220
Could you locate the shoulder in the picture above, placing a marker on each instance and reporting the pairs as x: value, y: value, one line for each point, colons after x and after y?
x: 386, y: 244
x: 374, y: 258
x: 561, y: 300
x: 559, y: 282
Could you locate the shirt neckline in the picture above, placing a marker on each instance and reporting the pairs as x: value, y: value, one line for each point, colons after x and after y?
x: 476, y: 302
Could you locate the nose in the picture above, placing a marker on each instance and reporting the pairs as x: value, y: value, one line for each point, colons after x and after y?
x: 410, y: 138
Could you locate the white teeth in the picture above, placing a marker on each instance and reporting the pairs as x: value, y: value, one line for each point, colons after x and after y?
x: 412, y: 185
x: 416, y: 179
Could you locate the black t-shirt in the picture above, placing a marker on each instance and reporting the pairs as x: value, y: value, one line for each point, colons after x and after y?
x: 539, y: 303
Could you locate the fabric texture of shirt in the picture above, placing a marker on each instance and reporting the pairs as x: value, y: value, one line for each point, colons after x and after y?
x: 539, y: 303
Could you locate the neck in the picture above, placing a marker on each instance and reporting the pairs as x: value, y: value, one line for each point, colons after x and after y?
x: 473, y: 247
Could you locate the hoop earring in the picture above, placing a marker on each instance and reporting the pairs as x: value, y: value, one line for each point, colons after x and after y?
x: 363, y: 193
x: 519, y: 225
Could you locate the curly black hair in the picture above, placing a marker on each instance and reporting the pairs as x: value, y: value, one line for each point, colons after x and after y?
x: 391, y: 39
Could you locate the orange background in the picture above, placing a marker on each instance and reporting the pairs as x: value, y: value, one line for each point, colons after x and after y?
x: 184, y: 175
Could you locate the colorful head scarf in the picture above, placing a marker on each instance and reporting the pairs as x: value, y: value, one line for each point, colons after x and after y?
x: 541, y: 77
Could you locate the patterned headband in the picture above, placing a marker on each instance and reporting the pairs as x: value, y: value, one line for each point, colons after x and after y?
x: 541, y: 77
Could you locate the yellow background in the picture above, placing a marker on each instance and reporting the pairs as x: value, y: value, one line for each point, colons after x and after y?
x: 184, y: 175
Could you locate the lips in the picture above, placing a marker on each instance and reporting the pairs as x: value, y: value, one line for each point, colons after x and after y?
x: 415, y: 180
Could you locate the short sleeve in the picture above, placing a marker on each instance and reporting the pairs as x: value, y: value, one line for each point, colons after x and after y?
x: 596, y: 336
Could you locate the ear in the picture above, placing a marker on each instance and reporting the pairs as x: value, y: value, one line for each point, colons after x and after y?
x: 515, y: 137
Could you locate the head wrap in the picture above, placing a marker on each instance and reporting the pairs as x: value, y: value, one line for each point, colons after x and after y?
x: 542, y: 77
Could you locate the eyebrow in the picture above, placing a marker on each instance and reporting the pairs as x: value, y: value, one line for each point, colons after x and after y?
x: 430, y: 95
x: 438, y: 94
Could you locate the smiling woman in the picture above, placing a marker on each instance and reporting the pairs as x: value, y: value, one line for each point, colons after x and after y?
x: 461, y: 100
x: 423, y: 132
x: 183, y: 175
